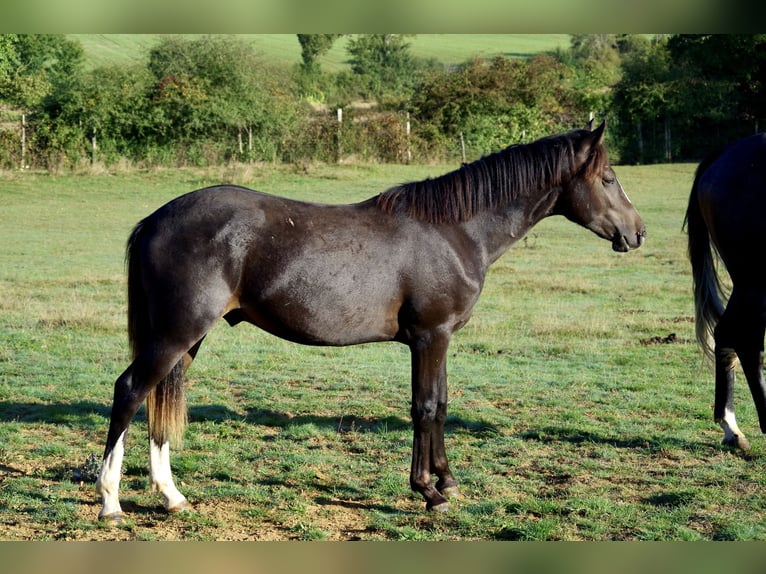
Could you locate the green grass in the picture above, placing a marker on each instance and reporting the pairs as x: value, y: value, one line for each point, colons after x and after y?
x: 569, y: 418
x: 105, y: 49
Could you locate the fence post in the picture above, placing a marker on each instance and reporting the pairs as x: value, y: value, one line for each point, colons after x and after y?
x: 23, y: 140
x: 409, y: 145
x: 338, y: 146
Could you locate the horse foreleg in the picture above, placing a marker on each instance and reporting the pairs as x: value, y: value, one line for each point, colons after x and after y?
x: 446, y: 483
x: 429, y: 410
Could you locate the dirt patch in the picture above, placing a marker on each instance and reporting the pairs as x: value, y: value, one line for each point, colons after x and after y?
x: 670, y: 339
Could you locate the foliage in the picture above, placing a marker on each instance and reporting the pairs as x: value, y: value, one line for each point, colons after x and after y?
x: 719, y: 87
x: 206, y: 100
x: 383, y: 63
x: 643, y: 97
x: 33, y: 65
x: 494, y: 103
x: 676, y: 88
x: 217, y: 86
x: 313, y: 46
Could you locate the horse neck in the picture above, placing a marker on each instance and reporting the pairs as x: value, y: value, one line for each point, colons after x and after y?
x: 495, y: 231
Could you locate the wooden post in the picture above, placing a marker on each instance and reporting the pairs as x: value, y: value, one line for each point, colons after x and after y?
x: 338, y: 147
x: 409, y: 147
x: 23, y: 140
x: 93, y: 147
x: 462, y: 146
x: 668, y: 148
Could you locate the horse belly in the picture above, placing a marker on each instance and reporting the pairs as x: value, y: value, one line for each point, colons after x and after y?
x: 319, y: 312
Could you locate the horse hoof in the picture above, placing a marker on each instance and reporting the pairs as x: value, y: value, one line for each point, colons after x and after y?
x: 183, y: 506
x: 113, y: 519
x: 738, y: 442
x: 441, y: 506
x: 451, y: 492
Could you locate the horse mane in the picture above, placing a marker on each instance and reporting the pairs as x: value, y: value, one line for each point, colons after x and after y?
x: 490, y: 182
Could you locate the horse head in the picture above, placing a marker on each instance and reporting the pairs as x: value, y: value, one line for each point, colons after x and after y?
x: 593, y: 196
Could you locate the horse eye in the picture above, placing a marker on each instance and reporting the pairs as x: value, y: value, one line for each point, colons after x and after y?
x: 607, y: 180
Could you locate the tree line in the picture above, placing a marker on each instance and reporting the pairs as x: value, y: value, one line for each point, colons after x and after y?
x: 214, y: 99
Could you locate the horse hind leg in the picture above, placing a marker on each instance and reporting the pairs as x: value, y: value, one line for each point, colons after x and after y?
x: 155, y: 365
x: 750, y: 353
x: 726, y: 360
x: 739, y: 335
x: 130, y: 390
x: 160, y: 474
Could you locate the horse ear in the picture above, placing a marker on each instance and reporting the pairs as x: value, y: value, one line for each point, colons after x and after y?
x: 589, y: 125
x: 598, y: 133
x: 590, y: 141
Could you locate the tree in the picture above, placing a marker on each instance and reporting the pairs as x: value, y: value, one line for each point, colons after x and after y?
x: 719, y: 84
x: 32, y: 68
x: 32, y: 65
x: 9, y: 59
x: 383, y: 63
x: 312, y: 47
x: 216, y: 87
x: 110, y: 106
x: 644, y: 100
x: 492, y: 104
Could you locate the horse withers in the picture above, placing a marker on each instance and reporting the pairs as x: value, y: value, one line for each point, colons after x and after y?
x: 726, y: 219
x: 407, y: 265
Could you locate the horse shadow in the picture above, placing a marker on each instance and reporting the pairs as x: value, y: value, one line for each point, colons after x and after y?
x: 93, y: 417
x: 647, y: 443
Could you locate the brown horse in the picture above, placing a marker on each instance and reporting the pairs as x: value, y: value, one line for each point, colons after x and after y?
x: 727, y: 216
x: 407, y: 265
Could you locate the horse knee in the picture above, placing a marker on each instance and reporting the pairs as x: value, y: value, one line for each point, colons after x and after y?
x: 424, y: 412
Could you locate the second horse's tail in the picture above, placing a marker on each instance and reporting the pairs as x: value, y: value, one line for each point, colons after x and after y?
x: 708, y: 292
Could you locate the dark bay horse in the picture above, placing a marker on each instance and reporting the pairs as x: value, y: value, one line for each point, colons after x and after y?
x: 726, y: 218
x: 407, y: 265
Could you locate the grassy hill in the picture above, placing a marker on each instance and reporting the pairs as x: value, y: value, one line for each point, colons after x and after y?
x: 105, y: 49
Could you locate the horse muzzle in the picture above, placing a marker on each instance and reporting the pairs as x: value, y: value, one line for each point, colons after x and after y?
x: 622, y: 242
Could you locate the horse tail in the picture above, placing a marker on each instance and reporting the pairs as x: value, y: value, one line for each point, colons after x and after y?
x: 166, y: 403
x: 708, y: 291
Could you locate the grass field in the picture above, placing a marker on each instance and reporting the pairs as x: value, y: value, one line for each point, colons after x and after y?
x: 579, y: 405
x: 104, y: 49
